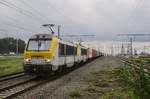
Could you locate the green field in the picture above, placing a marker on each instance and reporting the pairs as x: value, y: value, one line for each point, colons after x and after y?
x: 9, y: 65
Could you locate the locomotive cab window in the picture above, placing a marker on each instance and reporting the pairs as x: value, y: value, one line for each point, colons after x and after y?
x: 38, y: 45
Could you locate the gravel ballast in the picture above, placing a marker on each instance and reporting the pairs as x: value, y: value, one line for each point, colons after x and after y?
x: 76, y: 80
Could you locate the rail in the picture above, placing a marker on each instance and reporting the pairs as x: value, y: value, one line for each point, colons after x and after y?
x: 137, y: 66
x: 11, y: 76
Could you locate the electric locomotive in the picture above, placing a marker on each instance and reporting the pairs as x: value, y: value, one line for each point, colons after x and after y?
x: 45, y: 53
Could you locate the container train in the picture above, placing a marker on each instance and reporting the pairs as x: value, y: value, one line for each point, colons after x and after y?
x: 45, y: 53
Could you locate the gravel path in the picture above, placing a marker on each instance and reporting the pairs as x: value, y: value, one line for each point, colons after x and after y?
x: 60, y: 88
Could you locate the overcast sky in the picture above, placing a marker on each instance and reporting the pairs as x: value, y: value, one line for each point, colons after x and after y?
x: 103, y: 18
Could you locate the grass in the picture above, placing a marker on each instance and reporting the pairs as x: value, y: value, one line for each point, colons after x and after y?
x: 9, y: 65
x: 101, y: 85
x: 75, y: 94
x: 135, y: 81
x: 117, y: 94
x: 108, y: 86
x: 104, y: 85
x: 124, y: 82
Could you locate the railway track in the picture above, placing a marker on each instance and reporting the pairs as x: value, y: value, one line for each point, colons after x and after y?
x: 10, y: 85
x: 20, y: 88
x: 135, y: 65
x: 14, y: 90
x: 126, y: 61
x: 11, y: 76
x: 129, y: 62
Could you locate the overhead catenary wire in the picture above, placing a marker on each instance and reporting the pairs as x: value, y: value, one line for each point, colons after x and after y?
x: 56, y: 10
x: 41, y: 15
x: 60, y: 13
x: 33, y: 14
x: 130, y: 18
x: 20, y: 10
x: 68, y: 18
x: 20, y: 27
x: 28, y: 12
x: 14, y: 7
x: 44, y: 17
x: 11, y: 6
x: 15, y: 20
x: 29, y: 29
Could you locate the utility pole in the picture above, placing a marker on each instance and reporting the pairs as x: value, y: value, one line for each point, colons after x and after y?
x: 131, y: 40
x: 131, y: 46
x: 118, y: 50
x: 17, y: 46
x: 58, y: 31
x: 128, y: 49
x: 144, y: 50
x: 122, y: 50
x: 112, y: 50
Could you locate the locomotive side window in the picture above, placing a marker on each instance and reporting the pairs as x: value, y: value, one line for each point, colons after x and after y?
x: 83, y: 51
x: 38, y: 45
x: 67, y: 50
x: 61, y: 49
x: 70, y: 50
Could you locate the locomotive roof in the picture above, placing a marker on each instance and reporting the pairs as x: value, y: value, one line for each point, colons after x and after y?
x: 49, y: 36
x: 41, y: 36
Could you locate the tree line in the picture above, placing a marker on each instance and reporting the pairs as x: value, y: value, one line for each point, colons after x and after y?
x: 9, y: 44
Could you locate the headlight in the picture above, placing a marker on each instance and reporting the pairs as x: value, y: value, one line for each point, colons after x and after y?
x: 48, y: 60
x: 27, y: 60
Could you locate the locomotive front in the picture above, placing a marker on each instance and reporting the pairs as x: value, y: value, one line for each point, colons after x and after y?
x: 38, y: 53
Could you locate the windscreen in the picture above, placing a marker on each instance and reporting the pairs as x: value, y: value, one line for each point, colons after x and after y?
x: 38, y: 45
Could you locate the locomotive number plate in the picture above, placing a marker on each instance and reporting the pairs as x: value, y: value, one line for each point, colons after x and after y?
x: 37, y: 61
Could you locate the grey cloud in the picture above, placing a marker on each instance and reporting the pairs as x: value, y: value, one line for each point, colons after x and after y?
x: 103, y: 18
